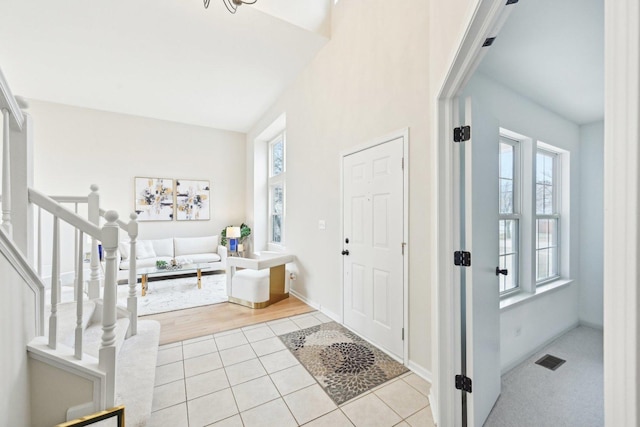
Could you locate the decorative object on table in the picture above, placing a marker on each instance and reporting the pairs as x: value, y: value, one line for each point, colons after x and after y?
x: 192, y: 200
x: 344, y: 364
x: 161, y: 265
x: 232, y: 5
x: 154, y: 199
x: 233, y: 234
x: 245, y: 232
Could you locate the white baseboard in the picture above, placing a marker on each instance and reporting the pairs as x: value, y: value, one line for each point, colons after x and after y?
x: 592, y: 325
x: 423, y: 373
x: 304, y: 299
x: 335, y: 317
x: 530, y: 353
x: 434, y: 407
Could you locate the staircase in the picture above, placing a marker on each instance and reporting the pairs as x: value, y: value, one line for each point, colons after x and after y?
x: 83, y: 353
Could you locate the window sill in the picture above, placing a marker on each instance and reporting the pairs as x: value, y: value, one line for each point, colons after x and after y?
x: 275, y: 247
x: 516, y: 299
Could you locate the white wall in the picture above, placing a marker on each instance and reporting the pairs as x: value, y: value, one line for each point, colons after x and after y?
x: 17, y: 328
x: 547, y: 315
x: 369, y: 80
x: 77, y: 147
x: 591, y: 223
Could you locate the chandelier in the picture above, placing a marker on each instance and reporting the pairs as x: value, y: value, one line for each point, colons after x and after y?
x: 232, y: 5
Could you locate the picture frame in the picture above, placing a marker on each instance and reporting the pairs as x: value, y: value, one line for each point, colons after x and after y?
x: 154, y: 199
x: 192, y: 200
x: 113, y: 417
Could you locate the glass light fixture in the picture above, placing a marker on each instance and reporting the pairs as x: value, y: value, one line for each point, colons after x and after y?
x: 232, y: 5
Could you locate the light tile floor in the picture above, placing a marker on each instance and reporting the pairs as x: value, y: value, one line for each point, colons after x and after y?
x: 246, y: 377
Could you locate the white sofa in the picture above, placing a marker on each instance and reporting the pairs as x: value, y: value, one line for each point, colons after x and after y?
x: 182, y: 249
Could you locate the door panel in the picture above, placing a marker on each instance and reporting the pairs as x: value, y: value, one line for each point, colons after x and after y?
x: 481, y: 236
x: 373, y: 203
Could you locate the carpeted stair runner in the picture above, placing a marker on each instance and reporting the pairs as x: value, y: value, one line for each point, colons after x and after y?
x: 136, y: 373
x: 136, y: 356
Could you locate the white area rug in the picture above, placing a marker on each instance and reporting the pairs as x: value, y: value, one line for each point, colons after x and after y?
x: 177, y: 294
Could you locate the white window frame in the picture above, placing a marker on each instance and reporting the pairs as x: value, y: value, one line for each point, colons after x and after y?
x: 527, y: 274
x: 517, y: 209
x: 275, y: 181
x: 555, y: 215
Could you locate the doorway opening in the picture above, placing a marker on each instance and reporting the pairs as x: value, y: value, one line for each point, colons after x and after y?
x: 463, y: 83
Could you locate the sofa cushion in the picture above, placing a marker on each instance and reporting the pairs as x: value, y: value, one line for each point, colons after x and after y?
x: 195, y: 245
x: 163, y: 247
x: 144, y: 249
x: 123, y: 247
x: 198, y: 258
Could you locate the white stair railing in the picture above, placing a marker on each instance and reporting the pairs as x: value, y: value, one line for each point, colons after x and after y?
x: 108, y: 235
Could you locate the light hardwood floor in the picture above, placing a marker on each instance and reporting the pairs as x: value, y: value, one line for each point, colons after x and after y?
x: 199, y: 321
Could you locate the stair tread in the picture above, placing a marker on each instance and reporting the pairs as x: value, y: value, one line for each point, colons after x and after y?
x: 92, y: 336
x: 135, y: 378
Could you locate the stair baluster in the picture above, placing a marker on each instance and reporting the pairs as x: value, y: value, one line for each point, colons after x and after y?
x: 94, y: 218
x: 6, y: 174
x: 132, y: 300
x: 55, y: 285
x: 107, y: 354
x: 79, y: 294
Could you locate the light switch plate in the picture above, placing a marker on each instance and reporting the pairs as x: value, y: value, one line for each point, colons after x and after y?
x: 321, y: 224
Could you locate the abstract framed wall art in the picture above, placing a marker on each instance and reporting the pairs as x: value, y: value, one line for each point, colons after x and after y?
x: 154, y: 199
x: 192, y: 200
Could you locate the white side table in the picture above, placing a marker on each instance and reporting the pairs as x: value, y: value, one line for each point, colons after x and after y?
x: 247, y: 287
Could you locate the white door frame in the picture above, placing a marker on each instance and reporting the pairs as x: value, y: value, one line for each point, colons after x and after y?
x: 404, y: 134
x: 622, y: 204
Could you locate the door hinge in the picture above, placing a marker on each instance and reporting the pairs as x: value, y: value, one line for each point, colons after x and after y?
x: 488, y: 42
x: 403, y: 245
x: 462, y: 258
x: 463, y: 383
x: 402, y: 334
x: 461, y: 134
x: 403, y: 163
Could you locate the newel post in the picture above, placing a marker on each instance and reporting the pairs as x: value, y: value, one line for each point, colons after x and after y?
x: 21, y: 172
x: 94, y: 218
x: 132, y: 300
x: 107, y: 359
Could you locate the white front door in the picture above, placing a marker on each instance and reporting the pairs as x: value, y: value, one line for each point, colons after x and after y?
x: 373, y: 200
x: 480, y: 237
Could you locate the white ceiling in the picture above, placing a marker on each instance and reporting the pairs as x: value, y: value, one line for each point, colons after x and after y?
x: 165, y: 59
x: 552, y: 51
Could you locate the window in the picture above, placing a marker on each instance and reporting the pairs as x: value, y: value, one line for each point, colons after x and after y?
x: 509, y: 218
x: 533, y: 202
x: 547, y: 216
x: 277, y: 189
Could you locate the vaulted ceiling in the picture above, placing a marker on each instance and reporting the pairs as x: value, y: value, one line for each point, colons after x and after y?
x: 164, y: 59
x: 552, y: 51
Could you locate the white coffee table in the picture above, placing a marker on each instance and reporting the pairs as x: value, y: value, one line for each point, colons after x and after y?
x: 250, y: 265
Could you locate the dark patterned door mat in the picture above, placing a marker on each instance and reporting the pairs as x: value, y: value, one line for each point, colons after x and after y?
x: 344, y: 364
x: 550, y: 362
